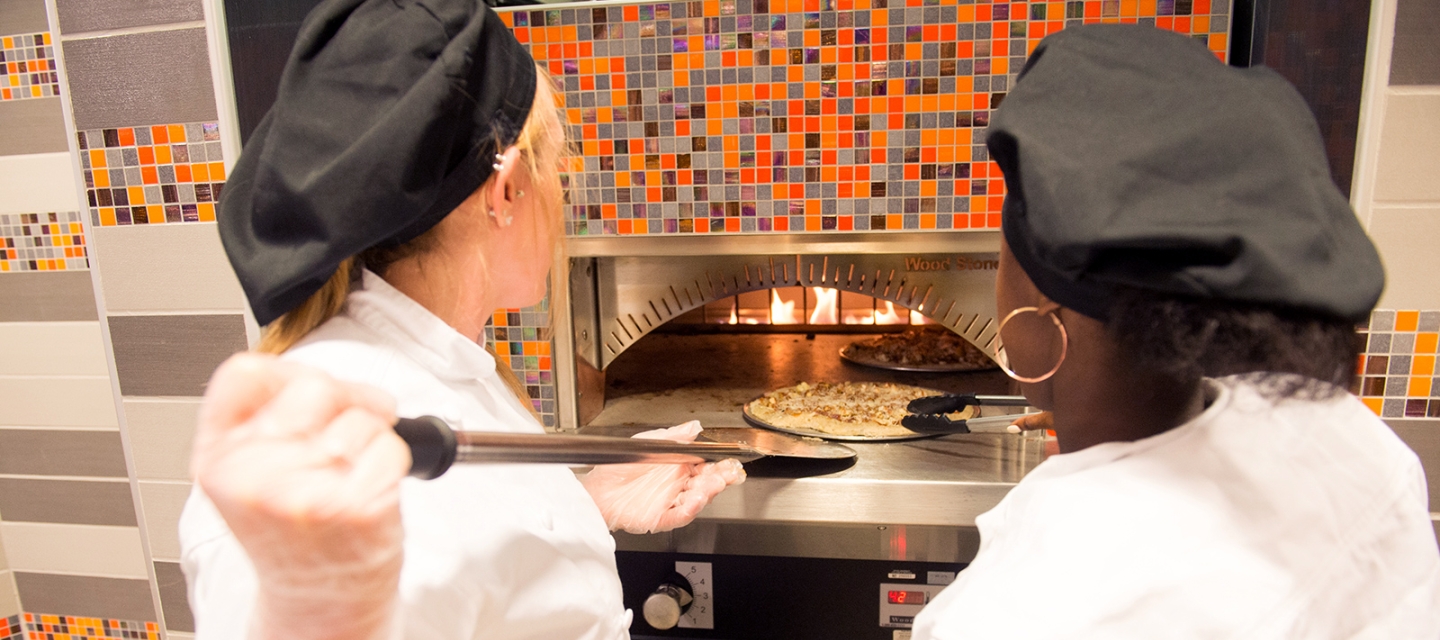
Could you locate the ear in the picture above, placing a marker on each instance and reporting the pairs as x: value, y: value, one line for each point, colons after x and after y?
x: 499, y: 196
x: 1046, y: 306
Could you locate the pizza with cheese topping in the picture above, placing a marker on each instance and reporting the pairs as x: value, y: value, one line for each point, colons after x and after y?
x: 927, y: 348
x: 849, y: 409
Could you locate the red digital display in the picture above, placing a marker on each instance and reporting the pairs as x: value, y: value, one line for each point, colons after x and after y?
x: 907, y: 597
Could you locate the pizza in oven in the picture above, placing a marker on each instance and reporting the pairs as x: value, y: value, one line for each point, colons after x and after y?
x: 928, y: 347
x: 851, y: 409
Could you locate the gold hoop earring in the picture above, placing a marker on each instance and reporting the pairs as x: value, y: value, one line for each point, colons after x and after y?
x: 1003, y: 359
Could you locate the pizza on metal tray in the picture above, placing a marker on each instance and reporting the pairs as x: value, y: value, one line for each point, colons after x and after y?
x: 864, y: 409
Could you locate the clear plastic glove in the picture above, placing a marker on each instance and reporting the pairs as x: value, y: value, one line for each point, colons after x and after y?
x: 306, y: 471
x: 648, y: 498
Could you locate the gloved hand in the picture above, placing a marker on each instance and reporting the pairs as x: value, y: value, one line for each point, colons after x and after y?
x: 649, y: 498
x: 306, y: 471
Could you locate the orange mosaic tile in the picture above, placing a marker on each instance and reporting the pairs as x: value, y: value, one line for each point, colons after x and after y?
x: 27, y: 67
x: 53, y: 241
x: 55, y: 627
x: 153, y: 174
x: 1396, y: 370
x: 520, y: 338
x: 748, y: 116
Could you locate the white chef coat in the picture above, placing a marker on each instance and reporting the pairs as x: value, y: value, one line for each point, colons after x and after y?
x: 1259, y: 519
x: 492, y: 551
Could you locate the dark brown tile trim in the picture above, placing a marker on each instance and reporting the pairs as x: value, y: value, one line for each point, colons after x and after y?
x: 86, y: 596
x: 38, y: 452
x: 67, y: 502
x: 47, y: 296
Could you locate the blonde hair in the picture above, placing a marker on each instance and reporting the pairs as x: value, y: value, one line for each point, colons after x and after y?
x: 537, y: 141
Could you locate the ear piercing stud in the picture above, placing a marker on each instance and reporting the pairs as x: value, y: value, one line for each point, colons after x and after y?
x: 499, y: 162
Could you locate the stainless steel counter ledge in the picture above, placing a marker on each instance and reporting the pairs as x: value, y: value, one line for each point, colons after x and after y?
x: 913, y: 500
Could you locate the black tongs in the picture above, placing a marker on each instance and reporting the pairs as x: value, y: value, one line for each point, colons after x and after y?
x: 928, y: 413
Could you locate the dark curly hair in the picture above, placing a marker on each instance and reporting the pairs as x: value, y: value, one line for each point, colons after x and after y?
x: 1287, y: 352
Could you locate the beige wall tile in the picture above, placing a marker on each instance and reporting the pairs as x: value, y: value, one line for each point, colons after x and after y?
x: 38, y: 182
x: 1406, y: 238
x: 162, y: 503
x: 113, y: 552
x: 52, y: 349
x: 57, y: 402
x: 9, y: 599
x: 1409, y: 149
x: 173, y: 267
x: 161, y: 432
x: 91, y: 597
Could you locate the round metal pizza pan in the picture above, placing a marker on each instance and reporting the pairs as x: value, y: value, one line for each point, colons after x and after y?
x: 911, y: 368
x: 753, y: 420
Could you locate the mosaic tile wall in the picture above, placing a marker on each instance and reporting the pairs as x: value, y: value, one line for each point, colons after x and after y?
x: 153, y: 175
x: 738, y: 116
x: 27, y: 67
x: 53, y: 241
x: 521, y: 338
x: 12, y: 629
x: 1397, y: 364
x: 49, y: 627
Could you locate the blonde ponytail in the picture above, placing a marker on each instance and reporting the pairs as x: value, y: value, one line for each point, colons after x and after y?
x: 321, y: 306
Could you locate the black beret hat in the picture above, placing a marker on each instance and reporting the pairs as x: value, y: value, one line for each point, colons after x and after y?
x: 388, y: 116
x: 1134, y: 158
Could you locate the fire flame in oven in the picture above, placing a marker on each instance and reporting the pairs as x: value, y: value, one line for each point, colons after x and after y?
x: 813, y: 306
x: 827, y: 306
x: 888, y: 315
x: 782, y: 312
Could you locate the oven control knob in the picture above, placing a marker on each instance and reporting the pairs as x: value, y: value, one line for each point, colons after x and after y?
x: 663, y: 608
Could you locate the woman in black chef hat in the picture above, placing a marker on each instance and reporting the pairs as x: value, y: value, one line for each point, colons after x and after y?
x: 1179, y: 283
x: 404, y: 187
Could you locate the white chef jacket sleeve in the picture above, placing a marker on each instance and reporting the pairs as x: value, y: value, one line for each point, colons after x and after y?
x: 221, y: 579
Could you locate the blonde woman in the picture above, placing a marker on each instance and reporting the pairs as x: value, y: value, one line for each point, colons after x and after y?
x: 403, y: 188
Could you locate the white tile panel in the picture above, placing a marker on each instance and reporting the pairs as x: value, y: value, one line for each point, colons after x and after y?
x: 112, y: 552
x: 1409, y: 164
x: 1406, y: 238
x: 162, y: 503
x: 52, y: 348
x: 38, y: 183
x: 161, y: 432
x: 9, y: 598
x: 170, y: 267
x: 57, y: 402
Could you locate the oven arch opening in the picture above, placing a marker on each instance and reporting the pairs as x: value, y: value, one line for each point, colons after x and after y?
x: 663, y: 374
x: 632, y: 296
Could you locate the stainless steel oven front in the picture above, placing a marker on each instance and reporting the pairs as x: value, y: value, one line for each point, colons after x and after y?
x: 801, y: 550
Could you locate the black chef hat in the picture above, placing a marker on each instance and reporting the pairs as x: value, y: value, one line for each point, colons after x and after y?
x: 1134, y: 158
x: 388, y: 116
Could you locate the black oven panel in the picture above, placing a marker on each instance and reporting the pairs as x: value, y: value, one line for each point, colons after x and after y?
x: 727, y: 597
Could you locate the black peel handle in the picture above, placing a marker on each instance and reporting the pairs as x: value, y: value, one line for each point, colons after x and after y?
x: 934, y: 424
x: 950, y: 403
x: 432, y: 445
